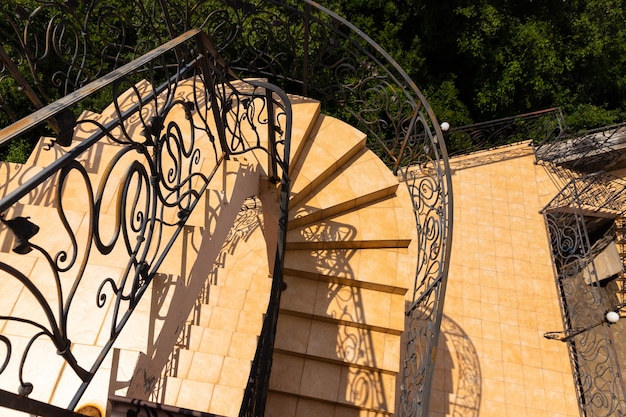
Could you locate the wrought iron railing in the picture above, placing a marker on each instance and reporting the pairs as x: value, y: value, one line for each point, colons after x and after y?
x: 302, y: 47
x: 580, y: 222
x: 585, y: 152
x: 538, y: 127
x: 171, y: 134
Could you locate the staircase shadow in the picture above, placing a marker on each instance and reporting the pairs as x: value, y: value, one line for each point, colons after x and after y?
x: 248, y: 221
x: 339, y: 331
x: 179, y: 297
x: 457, y: 380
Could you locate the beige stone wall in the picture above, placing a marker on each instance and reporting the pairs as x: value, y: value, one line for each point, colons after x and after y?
x: 501, y: 297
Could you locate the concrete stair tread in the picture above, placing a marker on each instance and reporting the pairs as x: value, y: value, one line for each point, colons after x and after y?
x: 93, y: 160
x: 45, y: 152
x: 363, y: 180
x: 383, y: 224
x: 344, y: 304
x: 291, y: 405
x: 333, y: 383
x: 331, y: 144
x: 202, y: 396
x: 306, y: 112
x: 338, y: 343
x: 377, y: 269
x: 51, y: 235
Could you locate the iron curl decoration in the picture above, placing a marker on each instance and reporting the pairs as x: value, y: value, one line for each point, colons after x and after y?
x: 542, y: 128
x: 310, y: 50
x: 162, y: 154
x: 584, y: 300
x: 300, y: 46
x: 74, y: 43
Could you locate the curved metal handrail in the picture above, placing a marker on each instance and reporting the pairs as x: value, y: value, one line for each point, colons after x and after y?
x: 313, y: 51
x: 170, y: 139
x: 306, y: 49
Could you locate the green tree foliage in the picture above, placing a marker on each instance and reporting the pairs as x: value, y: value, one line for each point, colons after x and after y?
x: 496, y: 58
x: 475, y: 60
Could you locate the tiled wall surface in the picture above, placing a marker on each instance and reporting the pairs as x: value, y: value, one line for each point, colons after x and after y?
x: 501, y: 297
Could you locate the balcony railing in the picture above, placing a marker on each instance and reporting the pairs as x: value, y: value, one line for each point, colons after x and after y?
x: 300, y: 46
x: 581, y: 224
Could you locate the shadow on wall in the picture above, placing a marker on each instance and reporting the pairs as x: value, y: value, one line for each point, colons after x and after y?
x: 457, y: 384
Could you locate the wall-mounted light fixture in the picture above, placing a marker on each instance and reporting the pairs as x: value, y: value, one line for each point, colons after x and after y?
x: 611, y: 317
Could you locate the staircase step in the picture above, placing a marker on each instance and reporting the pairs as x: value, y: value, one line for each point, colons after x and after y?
x: 330, y: 146
x: 94, y: 159
x: 383, y: 224
x: 364, y: 179
x: 306, y: 112
x: 45, y: 152
x: 193, y: 284
x: 338, y: 343
x: 316, y: 380
x: 383, y: 270
x: 343, y: 304
x: 280, y: 404
x: 51, y: 236
x: 218, y: 399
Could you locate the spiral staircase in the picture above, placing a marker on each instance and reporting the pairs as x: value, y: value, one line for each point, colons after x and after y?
x: 337, y: 349
x: 208, y: 245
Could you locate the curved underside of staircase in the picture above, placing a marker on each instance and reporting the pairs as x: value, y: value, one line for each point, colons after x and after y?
x: 190, y: 344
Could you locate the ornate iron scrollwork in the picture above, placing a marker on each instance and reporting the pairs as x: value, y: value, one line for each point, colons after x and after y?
x: 579, y: 223
x: 304, y: 48
x: 156, y: 175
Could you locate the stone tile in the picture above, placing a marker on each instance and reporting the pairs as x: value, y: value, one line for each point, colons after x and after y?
x: 180, y: 364
x: 293, y: 332
x: 195, y: 395
x: 322, y: 380
x: 369, y: 389
x: 235, y: 372
x: 232, y: 298
x: 286, y: 373
x: 215, y: 341
x: 249, y: 322
x: 172, y: 389
x: 223, y: 318
x: 493, y: 349
x: 243, y: 346
x: 511, y: 353
x: 533, y: 378
x: 310, y: 408
x: 280, y: 405
x: 42, y: 368
x: 206, y: 367
x: 515, y: 395
x: 226, y: 401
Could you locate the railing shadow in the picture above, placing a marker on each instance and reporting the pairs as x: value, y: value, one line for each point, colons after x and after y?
x: 345, y: 328
x: 185, y: 295
x: 247, y: 222
x: 457, y: 386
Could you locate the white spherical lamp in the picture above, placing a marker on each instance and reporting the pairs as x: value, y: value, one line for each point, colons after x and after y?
x: 612, y: 316
x: 445, y: 126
